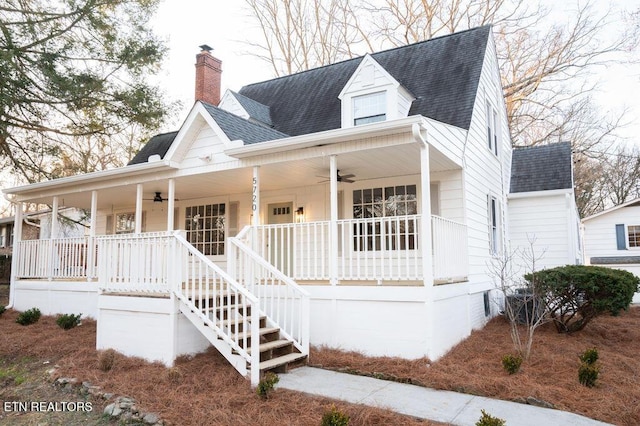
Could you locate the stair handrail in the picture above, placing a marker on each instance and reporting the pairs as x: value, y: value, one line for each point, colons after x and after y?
x: 302, y: 343
x: 254, y: 357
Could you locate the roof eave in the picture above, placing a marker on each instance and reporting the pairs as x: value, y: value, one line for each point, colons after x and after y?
x: 541, y: 193
x: 93, y: 177
x: 324, y: 138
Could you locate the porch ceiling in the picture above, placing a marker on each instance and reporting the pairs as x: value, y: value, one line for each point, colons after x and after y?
x: 399, y: 160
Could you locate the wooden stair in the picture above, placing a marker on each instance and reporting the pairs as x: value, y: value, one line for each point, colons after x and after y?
x: 277, y: 353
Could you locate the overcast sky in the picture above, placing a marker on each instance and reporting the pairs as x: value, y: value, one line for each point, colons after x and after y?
x: 224, y: 25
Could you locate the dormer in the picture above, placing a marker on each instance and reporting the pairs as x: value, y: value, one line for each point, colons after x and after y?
x: 246, y: 108
x: 372, y: 95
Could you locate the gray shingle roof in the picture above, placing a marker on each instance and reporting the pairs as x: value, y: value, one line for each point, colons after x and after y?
x: 442, y: 73
x: 237, y: 128
x: 159, y: 144
x: 541, y: 168
x: 256, y: 110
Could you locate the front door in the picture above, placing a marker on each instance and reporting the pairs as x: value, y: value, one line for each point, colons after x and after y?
x: 279, y: 239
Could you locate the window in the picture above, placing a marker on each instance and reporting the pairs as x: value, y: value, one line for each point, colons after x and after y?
x: 494, y: 223
x: 633, y: 234
x: 369, y: 108
x: 205, y: 226
x: 383, y: 202
x: 123, y: 223
x: 492, y: 133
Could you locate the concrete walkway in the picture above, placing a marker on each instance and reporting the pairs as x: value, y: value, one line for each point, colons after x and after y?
x: 440, y: 406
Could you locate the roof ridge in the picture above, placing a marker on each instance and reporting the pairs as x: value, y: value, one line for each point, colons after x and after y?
x: 369, y: 53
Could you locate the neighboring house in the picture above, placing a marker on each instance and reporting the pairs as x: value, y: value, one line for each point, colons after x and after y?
x: 543, y: 215
x: 355, y: 205
x: 612, y: 238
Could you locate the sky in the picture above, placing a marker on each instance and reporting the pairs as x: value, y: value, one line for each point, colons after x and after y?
x: 226, y: 25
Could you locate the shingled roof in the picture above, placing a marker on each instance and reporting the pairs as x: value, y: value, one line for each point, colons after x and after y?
x: 541, y: 168
x: 442, y: 73
x: 159, y: 144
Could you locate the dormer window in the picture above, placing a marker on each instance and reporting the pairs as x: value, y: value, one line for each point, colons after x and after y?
x: 369, y: 108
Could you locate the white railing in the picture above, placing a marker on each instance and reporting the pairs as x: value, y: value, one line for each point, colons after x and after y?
x: 62, y: 258
x: 380, y: 248
x: 167, y: 263
x: 450, y: 259
x: 372, y: 249
x: 284, y: 302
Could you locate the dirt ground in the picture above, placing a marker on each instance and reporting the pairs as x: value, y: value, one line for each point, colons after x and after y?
x: 4, y: 294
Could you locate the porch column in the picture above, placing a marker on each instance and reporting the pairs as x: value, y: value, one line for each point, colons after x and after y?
x: 333, y: 224
x: 16, y: 252
x: 54, y: 219
x: 255, y: 197
x: 91, y: 247
x: 425, y: 231
x: 138, y: 229
x: 171, y: 204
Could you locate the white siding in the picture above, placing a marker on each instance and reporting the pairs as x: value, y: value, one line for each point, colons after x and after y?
x: 600, y: 233
x: 546, y: 220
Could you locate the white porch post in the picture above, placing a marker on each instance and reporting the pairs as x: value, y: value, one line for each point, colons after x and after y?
x: 333, y: 224
x: 15, y: 255
x: 171, y: 204
x: 255, y: 197
x: 54, y: 218
x: 138, y: 229
x: 91, y: 248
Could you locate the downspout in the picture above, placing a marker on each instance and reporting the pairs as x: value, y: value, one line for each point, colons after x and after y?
x: 426, y: 237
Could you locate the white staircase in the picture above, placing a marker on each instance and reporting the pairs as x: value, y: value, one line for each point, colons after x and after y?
x: 243, y: 322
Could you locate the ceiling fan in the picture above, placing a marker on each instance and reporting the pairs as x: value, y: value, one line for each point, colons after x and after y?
x: 158, y: 198
x: 341, y: 178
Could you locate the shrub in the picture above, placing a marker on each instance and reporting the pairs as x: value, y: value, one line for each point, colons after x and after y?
x: 2, y: 309
x: 29, y: 316
x: 68, y: 321
x: 107, y: 359
x: 489, y: 420
x: 588, y: 374
x: 511, y: 363
x: 588, y: 371
x: 335, y: 417
x: 589, y: 357
x: 576, y: 294
x: 265, y: 386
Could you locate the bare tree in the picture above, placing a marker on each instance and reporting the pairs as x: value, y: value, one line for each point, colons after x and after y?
x: 621, y: 181
x: 524, y: 307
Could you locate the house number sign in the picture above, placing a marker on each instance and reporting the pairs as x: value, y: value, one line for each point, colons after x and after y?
x: 254, y: 198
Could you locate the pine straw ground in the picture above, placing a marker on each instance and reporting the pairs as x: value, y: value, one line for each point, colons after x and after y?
x: 551, y: 374
x: 204, y: 390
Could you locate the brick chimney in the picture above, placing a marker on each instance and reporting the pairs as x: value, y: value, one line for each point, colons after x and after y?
x: 208, y: 72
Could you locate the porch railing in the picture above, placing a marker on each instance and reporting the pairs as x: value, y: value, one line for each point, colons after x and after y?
x: 61, y: 258
x: 284, y: 302
x: 381, y: 248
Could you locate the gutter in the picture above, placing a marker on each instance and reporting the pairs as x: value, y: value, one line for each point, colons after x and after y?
x: 326, y: 137
x: 543, y: 193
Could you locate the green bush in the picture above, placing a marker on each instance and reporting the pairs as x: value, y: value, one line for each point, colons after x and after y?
x: 2, y: 309
x: 588, y: 374
x: 511, y: 363
x: 29, y: 317
x: 335, y: 417
x: 68, y: 321
x: 576, y: 294
x: 489, y: 420
x: 265, y: 386
x: 589, y: 357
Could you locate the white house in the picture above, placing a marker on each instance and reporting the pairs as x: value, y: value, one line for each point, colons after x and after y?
x: 354, y: 205
x: 612, y: 238
x: 543, y: 215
